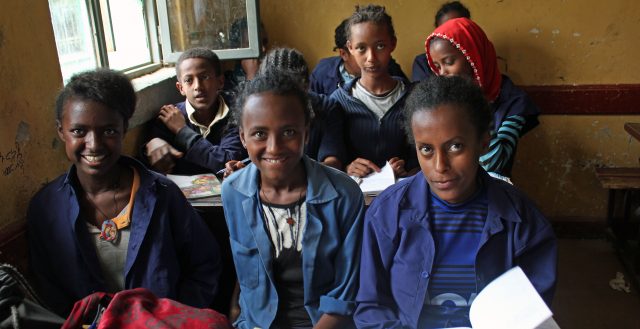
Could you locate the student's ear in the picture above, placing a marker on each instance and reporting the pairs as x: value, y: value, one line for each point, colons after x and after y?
x: 220, y: 78
x: 59, y: 130
x: 394, y: 42
x: 179, y: 87
x: 307, y: 131
x: 349, y: 46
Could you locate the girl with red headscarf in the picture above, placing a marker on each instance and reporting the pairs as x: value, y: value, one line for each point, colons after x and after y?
x: 460, y: 47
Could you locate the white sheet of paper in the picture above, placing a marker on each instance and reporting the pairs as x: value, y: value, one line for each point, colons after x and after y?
x: 510, y: 302
x: 378, y: 181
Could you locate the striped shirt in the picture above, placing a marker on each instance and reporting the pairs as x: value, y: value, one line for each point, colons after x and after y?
x: 457, y: 229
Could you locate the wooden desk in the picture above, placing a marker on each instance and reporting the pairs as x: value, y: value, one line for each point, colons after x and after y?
x: 633, y: 129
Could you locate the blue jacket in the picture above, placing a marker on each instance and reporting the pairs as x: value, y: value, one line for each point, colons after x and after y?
x: 330, y: 244
x: 420, y: 70
x: 171, y: 251
x: 368, y: 137
x: 201, y: 155
x: 398, y: 250
x: 326, y: 78
x: 326, y: 137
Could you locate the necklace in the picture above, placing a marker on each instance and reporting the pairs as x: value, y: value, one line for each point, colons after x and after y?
x: 109, y: 229
x: 291, y: 219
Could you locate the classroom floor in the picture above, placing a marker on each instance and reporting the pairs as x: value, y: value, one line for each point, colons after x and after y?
x: 583, y: 297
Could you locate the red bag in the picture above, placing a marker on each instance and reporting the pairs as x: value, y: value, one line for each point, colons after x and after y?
x: 140, y: 308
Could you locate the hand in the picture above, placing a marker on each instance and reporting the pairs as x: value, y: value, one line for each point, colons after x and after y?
x: 231, y: 166
x: 250, y: 67
x: 361, y: 167
x: 161, y: 155
x: 172, y: 118
x: 397, y: 165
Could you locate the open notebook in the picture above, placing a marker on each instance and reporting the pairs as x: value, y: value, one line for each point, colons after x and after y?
x: 197, y: 186
x: 510, y: 302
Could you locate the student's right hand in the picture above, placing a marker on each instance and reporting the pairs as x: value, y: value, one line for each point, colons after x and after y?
x: 361, y: 167
x: 232, y: 166
x: 161, y: 155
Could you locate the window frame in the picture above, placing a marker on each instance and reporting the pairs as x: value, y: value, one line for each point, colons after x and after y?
x: 253, y: 51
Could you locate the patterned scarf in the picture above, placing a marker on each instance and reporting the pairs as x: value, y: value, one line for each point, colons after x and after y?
x: 469, y: 38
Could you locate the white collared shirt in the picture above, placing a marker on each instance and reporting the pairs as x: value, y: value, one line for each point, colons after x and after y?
x: 222, y: 112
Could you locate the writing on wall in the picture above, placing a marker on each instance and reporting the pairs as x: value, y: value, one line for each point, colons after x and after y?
x: 11, y: 160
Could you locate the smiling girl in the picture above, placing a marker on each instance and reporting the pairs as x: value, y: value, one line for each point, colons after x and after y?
x: 295, y: 225
x: 110, y: 224
x: 433, y: 241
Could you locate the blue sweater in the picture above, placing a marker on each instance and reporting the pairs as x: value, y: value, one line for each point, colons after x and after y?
x: 171, y: 251
x: 373, y: 139
x: 326, y: 78
x: 201, y: 155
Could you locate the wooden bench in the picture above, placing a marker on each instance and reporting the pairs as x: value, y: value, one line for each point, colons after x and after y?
x: 625, y: 235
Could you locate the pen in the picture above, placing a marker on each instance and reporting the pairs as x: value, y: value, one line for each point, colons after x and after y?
x: 221, y: 171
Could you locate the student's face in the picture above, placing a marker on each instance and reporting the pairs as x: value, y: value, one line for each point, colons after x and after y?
x: 371, y: 46
x: 448, y: 150
x: 92, y: 134
x: 274, y: 132
x: 448, y: 60
x: 199, y: 83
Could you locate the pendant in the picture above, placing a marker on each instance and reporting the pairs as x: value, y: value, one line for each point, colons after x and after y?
x: 109, y: 231
x: 291, y: 221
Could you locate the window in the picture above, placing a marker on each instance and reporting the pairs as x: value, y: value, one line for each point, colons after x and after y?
x: 100, y: 33
x: 123, y: 34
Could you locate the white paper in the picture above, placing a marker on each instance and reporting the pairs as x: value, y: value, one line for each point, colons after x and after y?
x: 378, y: 181
x: 510, y: 302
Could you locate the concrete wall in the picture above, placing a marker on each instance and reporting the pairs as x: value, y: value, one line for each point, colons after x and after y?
x: 543, y: 43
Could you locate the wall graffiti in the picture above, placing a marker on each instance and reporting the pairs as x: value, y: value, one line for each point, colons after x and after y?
x: 11, y: 160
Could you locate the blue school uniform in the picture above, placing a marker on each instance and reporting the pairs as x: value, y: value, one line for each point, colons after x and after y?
x: 398, y: 250
x: 201, y: 155
x: 420, y: 70
x: 326, y: 136
x: 514, y: 114
x: 326, y: 77
x: 368, y: 137
x: 330, y: 244
x: 171, y: 251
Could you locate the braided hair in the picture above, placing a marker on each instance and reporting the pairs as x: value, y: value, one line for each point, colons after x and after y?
x: 370, y: 13
x: 287, y: 60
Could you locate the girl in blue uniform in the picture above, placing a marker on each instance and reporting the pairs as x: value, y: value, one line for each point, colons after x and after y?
x: 373, y: 102
x: 295, y: 225
x: 109, y: 223
x: 433, y: 241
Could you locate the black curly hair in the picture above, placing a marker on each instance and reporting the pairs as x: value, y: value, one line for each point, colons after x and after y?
x: 438, y: 90
x: 449, y: 7
x: 370, y: 13
x: 276, y: 82
x: 108, y: 87
x: 200, y: 52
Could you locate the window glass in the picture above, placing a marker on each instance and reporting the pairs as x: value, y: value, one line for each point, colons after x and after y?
x: 74, y: 41
x: 125, y: 33
x: 215, y: 24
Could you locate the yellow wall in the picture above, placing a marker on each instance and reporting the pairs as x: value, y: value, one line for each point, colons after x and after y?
x: 555, y: 161
x: 29, y: 78
x: 544, y: 43
x: 30, y: 152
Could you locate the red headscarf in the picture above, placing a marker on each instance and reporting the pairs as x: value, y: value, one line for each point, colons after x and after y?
x: 469, y: 38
